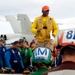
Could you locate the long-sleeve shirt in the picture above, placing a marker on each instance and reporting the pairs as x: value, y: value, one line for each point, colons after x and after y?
x: 8, y: 58
x: 2, y: 61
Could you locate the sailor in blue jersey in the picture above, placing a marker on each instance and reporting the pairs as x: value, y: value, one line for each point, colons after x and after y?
x: 13, y: 59
x: 2, y: 51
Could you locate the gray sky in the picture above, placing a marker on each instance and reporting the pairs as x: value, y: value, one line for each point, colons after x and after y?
x: 62, y: 10
x: 58, y: 8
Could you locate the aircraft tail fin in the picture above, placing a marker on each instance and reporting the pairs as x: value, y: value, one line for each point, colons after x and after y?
x: 25, y: 23
x: 14, y: 23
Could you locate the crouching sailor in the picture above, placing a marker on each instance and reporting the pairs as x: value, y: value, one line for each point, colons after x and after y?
x: 13, y: 59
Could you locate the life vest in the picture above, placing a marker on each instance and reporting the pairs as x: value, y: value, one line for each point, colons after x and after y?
x: 25, y: 53
x: 44, y: 33
x: 15, y: 58
x: 2, y: 52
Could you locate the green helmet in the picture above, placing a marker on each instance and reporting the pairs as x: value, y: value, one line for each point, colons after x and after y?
x: 42, y: 54
x: 2, y: 40
x: 22, y: 39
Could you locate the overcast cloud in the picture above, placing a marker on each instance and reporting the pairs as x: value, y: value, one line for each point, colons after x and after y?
x: 62, y: 10
x: 58, y: 8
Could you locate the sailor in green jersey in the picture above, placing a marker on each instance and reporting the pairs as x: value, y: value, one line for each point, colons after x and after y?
x: 42, y: 58
x: 26, y: 53
x: 40, y: 71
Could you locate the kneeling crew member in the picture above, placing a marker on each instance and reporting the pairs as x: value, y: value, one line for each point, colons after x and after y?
x: 13, y: 59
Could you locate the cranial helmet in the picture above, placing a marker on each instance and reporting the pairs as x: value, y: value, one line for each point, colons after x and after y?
x: 42, y: 54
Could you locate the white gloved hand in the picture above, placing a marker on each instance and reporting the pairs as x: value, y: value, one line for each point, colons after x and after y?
x: 51, y: 36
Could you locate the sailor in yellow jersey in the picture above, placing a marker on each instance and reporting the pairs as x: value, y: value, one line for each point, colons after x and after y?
x: 42, y: 26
